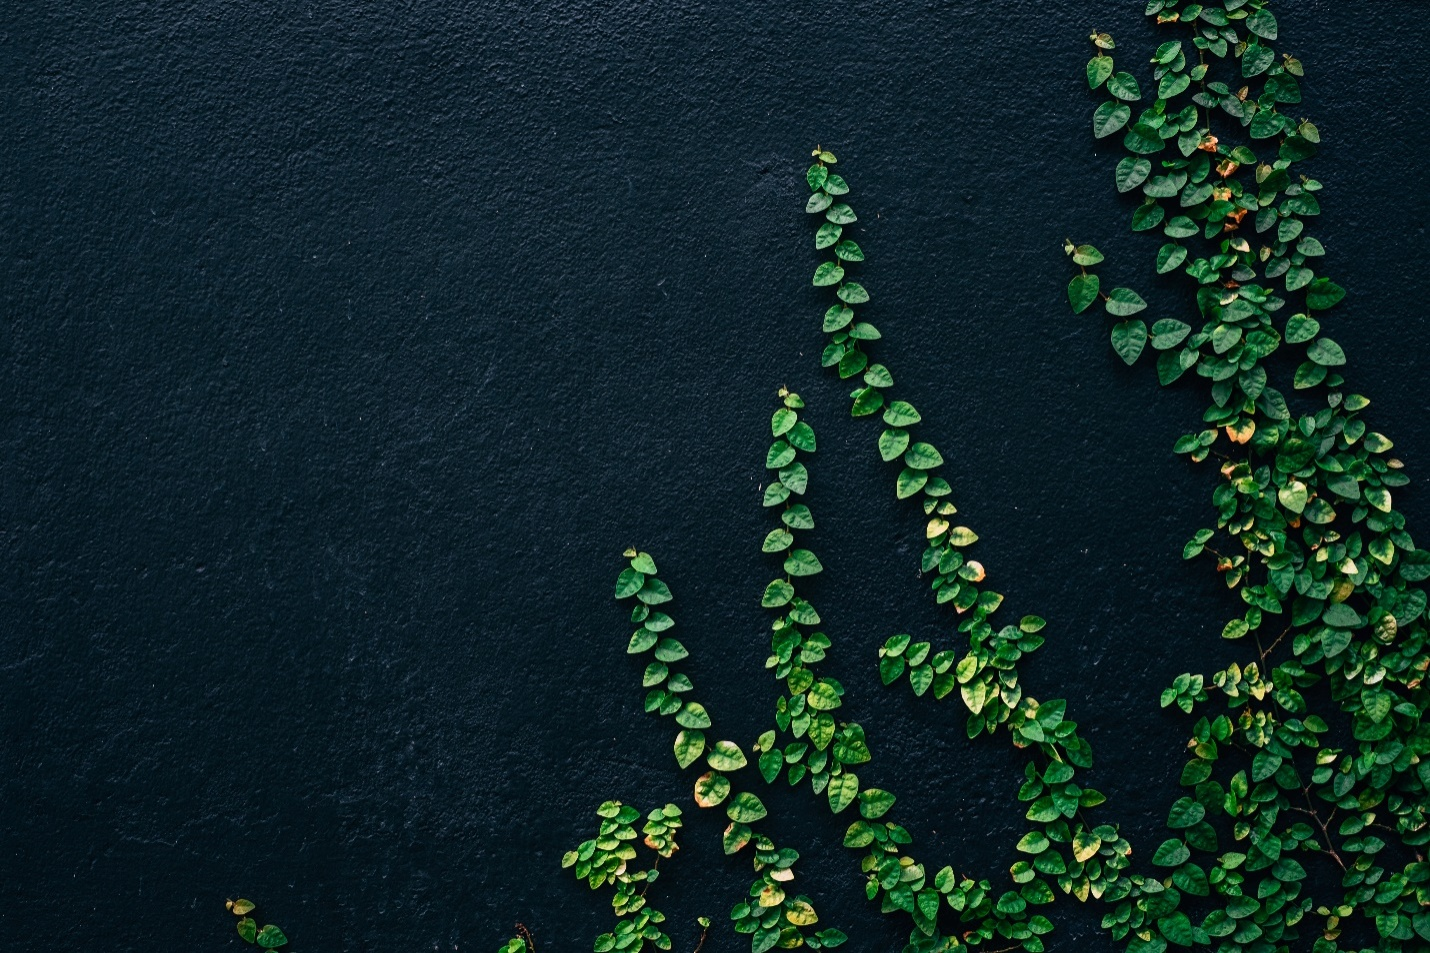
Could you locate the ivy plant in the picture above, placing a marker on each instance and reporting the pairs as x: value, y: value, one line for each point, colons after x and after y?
x: 1308, y: 754
x: 1305, y: 759
x: 268, y: 936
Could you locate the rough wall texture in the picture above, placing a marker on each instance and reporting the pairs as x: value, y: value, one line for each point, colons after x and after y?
x: 347, y: 344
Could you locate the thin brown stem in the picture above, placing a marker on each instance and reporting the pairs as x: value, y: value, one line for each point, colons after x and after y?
x: 703, y: 933
x: 1267, y: 651
x: 525, y: 934
x: 653, y: 868
x: 1310, y: 810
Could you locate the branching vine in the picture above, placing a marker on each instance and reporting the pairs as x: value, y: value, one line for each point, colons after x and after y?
x: 1305, y: 533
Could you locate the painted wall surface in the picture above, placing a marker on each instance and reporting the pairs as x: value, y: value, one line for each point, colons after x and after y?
x: 346, y: 345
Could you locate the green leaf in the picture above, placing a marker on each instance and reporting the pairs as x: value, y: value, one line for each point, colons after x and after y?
x: 1263, y: 24
x: 878, y: 376
x: 689, y: 745
x: 816, y: 177
x: 1033, y: 842
x: 746, y: 808
x: 1086, y: 255
x: 780, y: 454
x: 837, y: 317
x: 1170, y: 258
x: 1124, y: 86
x: 692, y: 715
x: 248, y: 929
x: 923, y: 456
x: 828, y: 273
x: 901, y: 414
x: 892, y: 443
x: 725, y: 756
x: 962, y: 536
x: 1098, y: 69
x: 643, y: 563
x: 1082, y: 291
x: 798, y: 517
x: 1132, y: 172
x: 875, y: 803
x: 1323, y: 293
x: 1169, y: 332
x: 852, y: 292
x: 1327, y: 353
x: 1184, y: 813
x: 654, y: 592
x: 802, y: 562
x: 827, y: 235
x: 1178, y: 929
x: 711, y: 788
x: 1110, y: 117
x: 802, y: 436
x: 270, y: 937
x: 770, y: 764
x: 818, y: 202
x: 1142, y: 139
x: 1172, y: 853
x: 777, y: 593
x: 1123, y: 302
x: 1085, y: 846
x: 823, y: 696
x: 910, y: 481
x: 241, y: 907
x: 843, y: 791
x: 670, y: 650
x: 1256, y: 60
x: 1128, y: 339
x: 628, y: 583
x: 1147, y: 217
x: 841, y: 214
x: 1341, y: 616
x: 1300, y: 328
x: 849, y: 251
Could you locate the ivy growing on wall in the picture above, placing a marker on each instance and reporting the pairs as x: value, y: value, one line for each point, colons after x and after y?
x: 1310, y: 751
x: 1303, y: 821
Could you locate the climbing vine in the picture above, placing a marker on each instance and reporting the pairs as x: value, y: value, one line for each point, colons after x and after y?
x: 267, y: 937
x: 1306, y: 759
x: 1308, y: 755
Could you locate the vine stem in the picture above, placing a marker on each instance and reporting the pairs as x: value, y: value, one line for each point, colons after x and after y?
x: 1323, y: 825
x: 703, y: 933
x: 525, y: 934
x: 1268, y: 651
x: 653, y: 868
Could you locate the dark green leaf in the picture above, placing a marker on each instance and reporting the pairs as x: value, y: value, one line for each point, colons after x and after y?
x: 1107, y: 119
x: 923, y: 456
x: 802, y: 562
x: 1082, y: 292
x: 1098, y: 69
x: 1123, y: 302
x: 1128, y: 339
x: 270, y: 937
x: 1132, y: 173
x: 1124, y: 86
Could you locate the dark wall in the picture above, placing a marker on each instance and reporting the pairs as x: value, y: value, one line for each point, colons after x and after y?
x: 346, y: 345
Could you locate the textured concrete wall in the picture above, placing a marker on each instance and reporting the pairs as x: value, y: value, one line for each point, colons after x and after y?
x: 347, y: 344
